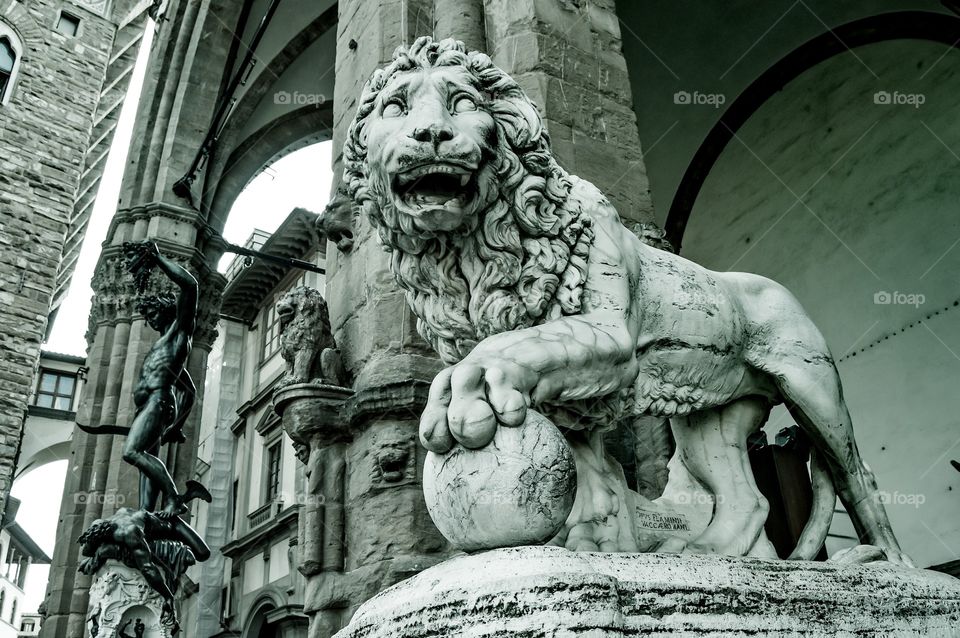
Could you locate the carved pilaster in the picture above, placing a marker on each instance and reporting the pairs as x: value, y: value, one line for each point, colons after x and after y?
x: 115, y: 294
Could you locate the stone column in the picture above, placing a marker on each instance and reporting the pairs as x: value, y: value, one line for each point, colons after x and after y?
x: 388, y: 534
x: 567, y: 56
x: 169, y: 130
x: 460, y: 19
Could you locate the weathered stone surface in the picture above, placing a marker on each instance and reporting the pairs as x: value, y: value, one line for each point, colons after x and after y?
x: 548, y: 591
x: 518, y: 490
x: 120, y: 599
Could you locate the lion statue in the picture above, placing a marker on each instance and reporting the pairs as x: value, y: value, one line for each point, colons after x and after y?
x: 306, y: 339
x: 533, y: 292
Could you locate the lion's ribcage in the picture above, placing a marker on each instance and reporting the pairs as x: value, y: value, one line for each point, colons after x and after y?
x: 677, y: 378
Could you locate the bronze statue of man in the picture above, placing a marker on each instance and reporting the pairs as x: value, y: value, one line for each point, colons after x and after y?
x: 164, y: 394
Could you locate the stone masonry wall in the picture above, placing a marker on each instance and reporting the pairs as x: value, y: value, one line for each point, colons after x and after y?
x: 44, y: 130
x: 567, y: 56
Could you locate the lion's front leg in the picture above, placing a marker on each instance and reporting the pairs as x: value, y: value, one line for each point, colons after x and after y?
x: 571, y: 358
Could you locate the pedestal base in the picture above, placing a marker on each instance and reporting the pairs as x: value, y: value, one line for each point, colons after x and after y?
x: 120, y: 594
x: 549, y: 591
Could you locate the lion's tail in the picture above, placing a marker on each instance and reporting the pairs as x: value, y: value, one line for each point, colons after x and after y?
x: 821, y: 512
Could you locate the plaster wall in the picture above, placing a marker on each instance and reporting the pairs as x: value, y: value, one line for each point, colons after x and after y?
x: 713, y: 48
x: 844, y: 200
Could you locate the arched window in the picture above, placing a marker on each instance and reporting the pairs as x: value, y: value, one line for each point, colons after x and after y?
x: 7, y: 58
x: 10, y: 52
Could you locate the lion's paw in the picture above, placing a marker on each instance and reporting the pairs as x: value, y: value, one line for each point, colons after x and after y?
x: 466, y: 403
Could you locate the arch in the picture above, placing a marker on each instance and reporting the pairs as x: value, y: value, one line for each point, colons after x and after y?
x: 11, y: 55
x: 50, y: 451
x: 920, y: 25
x: 257, y: 624
x: 239, y: 159
x: 302, y: 127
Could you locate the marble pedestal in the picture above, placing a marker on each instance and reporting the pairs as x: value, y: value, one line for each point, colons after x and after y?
x: 119, y: 594
x: 550, y: 591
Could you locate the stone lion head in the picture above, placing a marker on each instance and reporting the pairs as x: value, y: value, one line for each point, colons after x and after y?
x: 305, y: 303
x: 451, y: 163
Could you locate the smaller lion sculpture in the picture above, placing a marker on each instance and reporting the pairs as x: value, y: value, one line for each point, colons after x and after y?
x: 306, y: 339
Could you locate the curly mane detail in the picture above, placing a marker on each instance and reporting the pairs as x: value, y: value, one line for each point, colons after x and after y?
x: 522, y: 261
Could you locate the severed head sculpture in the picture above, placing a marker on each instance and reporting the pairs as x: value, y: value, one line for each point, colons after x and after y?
x: 536, y: 296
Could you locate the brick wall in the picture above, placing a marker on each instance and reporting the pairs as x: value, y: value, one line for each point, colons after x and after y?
x: 44, y: 130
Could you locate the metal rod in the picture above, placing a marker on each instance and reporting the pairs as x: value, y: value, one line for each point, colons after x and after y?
x: 182, y: 186
x: 281, y: 261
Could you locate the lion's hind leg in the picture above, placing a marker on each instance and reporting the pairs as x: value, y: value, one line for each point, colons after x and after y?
x: 713, y: 447
x: 812, y: 393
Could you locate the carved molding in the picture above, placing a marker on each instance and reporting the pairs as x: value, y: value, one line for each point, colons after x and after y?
x: 115, y: 295
x: 119, y: 593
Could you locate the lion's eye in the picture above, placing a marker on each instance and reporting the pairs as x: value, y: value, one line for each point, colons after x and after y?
x: 392, y: 109
x: 464, y: 104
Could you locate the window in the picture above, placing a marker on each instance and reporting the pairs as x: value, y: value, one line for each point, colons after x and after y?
x: 11, y: 51
x: 271, y: 332
x: 233, y: 504
x: 8, y: 58
x: 68, y: 24
x: 55, y: 390
x: 13, y: 612
x: 27, y: 626
x: 273, y: 472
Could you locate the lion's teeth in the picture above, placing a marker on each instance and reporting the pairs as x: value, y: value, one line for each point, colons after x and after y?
x: 464, y: 179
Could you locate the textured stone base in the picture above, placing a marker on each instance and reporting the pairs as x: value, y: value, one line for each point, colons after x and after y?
x: 119, y: 597
x: 549, y: 591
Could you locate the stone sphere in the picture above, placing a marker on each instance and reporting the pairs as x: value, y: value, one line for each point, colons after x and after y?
x: 518, y: 490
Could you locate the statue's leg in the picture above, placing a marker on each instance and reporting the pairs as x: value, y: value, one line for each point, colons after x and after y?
x: 145, y: 433
x: 602, y: 515
x: 812, y: 393
x: 713, y: 447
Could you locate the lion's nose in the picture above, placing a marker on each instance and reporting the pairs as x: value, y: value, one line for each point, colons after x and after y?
x: 435, y: 133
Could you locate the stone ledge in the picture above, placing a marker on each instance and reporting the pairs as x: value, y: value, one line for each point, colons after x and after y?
x: 549, y: 591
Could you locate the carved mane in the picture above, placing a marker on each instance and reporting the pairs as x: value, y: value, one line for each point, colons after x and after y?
x: 522, y: 261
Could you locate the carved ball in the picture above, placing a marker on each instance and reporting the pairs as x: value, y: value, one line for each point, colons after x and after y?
x: 518, y: 490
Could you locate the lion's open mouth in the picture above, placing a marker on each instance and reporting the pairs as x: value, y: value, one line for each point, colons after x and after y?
x: 435, y: 185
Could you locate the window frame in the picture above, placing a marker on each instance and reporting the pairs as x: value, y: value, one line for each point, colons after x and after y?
x: 273, y: 480
x: 8, y: 32
x: 270, y: 340
x: 71, y: 17
x: 55, y: 394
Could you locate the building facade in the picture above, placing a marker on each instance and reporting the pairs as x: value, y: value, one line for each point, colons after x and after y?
x: 244, y: 452
x: 19, y: 551
x: 64, y: 69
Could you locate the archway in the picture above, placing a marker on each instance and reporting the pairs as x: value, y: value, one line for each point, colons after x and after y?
x: 921, y: 25
x: 258, y: 626
x: 840, y: 184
